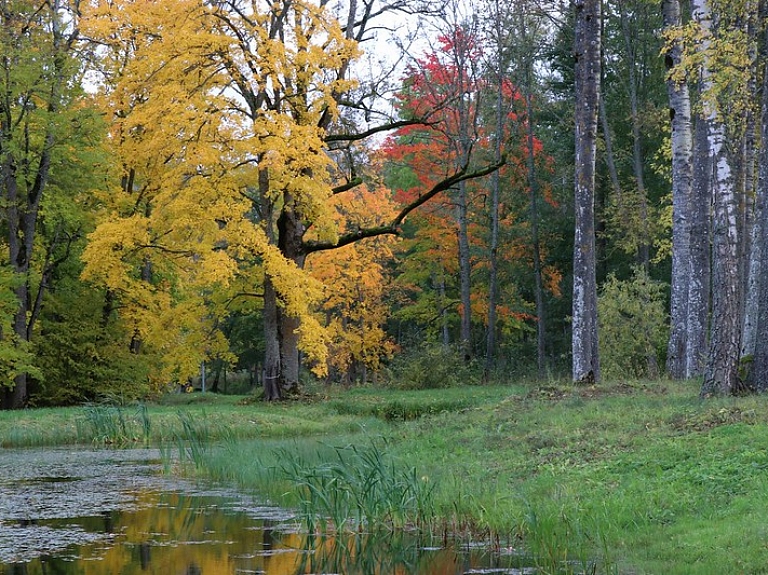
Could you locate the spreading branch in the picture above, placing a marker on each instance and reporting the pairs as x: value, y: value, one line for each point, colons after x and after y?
x: 393, y: 227
x: 355, y: 137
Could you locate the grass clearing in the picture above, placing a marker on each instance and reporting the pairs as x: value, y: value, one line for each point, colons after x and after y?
x: 626, y: 477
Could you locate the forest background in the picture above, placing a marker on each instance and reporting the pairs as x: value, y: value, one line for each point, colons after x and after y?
x: 410, y: 192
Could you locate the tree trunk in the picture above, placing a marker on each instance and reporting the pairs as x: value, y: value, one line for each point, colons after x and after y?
x: 273, y: 390
x: 682, y: 175
x: 758, y: 373
x: 721, y: 372
x: 465, y: 274
x: 752, y: 252
x: 490, y: 336
x: 290, y: 231
x: 700, y: 270
x: 584, y: 330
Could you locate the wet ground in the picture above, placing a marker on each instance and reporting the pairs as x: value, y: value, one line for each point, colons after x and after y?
x: 79, y: 512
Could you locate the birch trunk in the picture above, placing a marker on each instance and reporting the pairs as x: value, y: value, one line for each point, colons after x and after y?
x: 721, y: 372
x: 584, y: 329
x: 682, y: 179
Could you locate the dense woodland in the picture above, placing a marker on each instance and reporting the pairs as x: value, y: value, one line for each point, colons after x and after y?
x: 363, y: 191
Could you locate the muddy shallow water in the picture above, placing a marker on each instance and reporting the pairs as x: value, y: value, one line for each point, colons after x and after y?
x: 69, y: 511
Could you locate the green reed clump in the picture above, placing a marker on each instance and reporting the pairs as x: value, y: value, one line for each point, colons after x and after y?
x: 196, y: 435
x: 357, y: 488
x: 192, y: 438
x: 113, y: 424
x: 105, y: 424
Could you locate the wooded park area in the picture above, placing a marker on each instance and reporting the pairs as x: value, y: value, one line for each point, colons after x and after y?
x: 403, y: 191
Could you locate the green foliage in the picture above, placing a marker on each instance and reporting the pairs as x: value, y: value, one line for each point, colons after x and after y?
x: 82, y: 358
x: 431, y: 366
x: 633, y: 326
x: 16, y: 355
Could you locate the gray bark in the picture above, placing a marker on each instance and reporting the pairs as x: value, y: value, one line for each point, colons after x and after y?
x: 588, y: 69
x: 273, y: 390
x: 758, y: 379
x: 721, y: 372
x: 290, y: 233
x: 700, y: 270
x: 682, y: 180
x: 752, y: 252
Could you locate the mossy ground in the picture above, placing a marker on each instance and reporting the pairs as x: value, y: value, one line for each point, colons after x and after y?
x: 637, y: 477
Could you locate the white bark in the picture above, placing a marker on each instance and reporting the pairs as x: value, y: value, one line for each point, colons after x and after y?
x: 721, y: 373
x: 682, y: 176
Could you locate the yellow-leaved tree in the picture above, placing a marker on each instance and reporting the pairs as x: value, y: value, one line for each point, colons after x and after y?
x: 218, y: 113
x: 233, y: 124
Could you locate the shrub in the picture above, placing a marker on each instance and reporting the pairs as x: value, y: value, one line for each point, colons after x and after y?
x: 633, y: 326
x: 431, y: 366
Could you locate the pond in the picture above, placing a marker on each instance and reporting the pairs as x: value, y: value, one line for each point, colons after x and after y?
x: 68, y: 511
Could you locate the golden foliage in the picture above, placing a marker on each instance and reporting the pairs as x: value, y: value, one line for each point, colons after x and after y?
x: 217, y: 123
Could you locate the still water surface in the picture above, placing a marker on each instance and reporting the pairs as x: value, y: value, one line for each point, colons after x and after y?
x: 97, y: 512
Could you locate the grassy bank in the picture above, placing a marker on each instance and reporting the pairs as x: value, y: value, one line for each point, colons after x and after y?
x: 641, y: 478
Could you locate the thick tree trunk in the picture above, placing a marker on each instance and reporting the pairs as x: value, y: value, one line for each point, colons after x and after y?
x: 682, y: 178
x: 289, y: 352
x: 281, y: 361
x: 586, y: 365
x: 290, y: 230
x: 273, y: 390
x: 721, y: 372
x: 758, y: 374
x: 699, y: 278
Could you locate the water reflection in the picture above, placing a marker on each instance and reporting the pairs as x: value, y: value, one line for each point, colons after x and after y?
x: 156, y: 525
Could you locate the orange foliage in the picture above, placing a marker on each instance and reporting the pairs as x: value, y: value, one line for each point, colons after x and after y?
x: 357, y: 281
